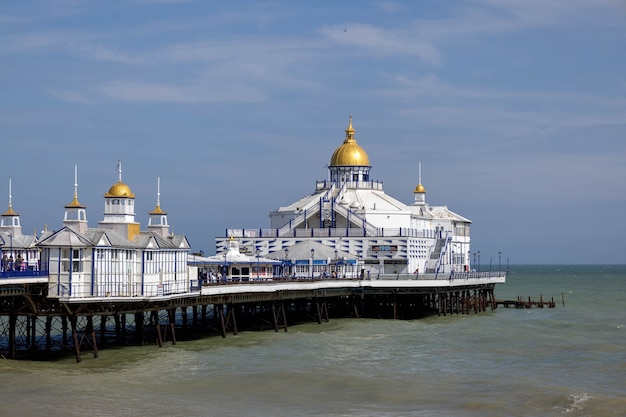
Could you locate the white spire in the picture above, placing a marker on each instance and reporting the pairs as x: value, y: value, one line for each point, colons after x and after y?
x: 158, y: 191
x: 419, y: 174
x: 119, y: 170
x: 75, y: 180
x: 10, y: 194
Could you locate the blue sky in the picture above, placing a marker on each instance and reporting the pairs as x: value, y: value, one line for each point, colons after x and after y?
x: 516, y: 110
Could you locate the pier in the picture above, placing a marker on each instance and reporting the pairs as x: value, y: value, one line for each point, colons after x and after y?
x: 33, y: 325
x: 523, y: 303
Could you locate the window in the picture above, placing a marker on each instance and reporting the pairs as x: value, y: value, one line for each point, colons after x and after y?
x: 77, y: 260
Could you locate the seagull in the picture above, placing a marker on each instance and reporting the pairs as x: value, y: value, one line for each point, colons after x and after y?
x: 345, y: 29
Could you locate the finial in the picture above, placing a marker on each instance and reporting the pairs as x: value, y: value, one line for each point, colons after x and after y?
x: 75, y: 181
x: 158, y: 191
x: 119, y: 170
x: 10, y: 194
x: 419, y: 174
x: 350, y: 130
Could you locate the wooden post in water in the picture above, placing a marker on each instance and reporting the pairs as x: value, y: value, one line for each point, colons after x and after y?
x: 75, y: 338
x: 48, y: 331
x: 33, y: 332
x: 157, y: 327
x: 172, y: 317
x: 64, y: 329
x: 139, y: 328
x: 12, y: 326
x: 92, y: 332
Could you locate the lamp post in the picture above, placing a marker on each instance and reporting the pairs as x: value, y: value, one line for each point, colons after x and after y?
x: 336, y: 263
x: 474, y: 264
x: 478, y: 261
x: 258, y: 255
x: 499, y: 260
x: 286, y: 260
x: 312, y: 260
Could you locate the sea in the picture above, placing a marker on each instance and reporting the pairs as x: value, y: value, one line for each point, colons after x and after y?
x: 564, y: 361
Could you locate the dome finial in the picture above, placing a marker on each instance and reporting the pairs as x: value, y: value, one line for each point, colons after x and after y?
x: 350, y: 131
x: 119, y: 170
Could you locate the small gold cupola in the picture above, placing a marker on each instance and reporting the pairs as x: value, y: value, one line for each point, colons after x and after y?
x: 10, y: 220
x: 75, y: 216
x: 157, y: 221
x: 420, y: 191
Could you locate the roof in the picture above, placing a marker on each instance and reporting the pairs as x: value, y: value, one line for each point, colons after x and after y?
x: 111, y: 238
x: 302, y: 250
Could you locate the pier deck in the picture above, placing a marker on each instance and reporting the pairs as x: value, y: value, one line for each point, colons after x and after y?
x: 32, y: 322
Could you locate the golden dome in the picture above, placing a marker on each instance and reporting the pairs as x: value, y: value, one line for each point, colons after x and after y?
x: 120, y: 190
x: 157, y: 210
x: 10, y: 212
x: 75, y: 203
x: 350, y: 153
x: 419, y: 189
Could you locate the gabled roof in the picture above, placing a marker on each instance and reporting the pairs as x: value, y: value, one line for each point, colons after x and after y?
x: 111, y: 238
x: 66, y: 237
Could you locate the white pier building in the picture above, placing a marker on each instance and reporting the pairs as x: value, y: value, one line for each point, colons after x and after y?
x: 116, y: 259
x: 350, y: 226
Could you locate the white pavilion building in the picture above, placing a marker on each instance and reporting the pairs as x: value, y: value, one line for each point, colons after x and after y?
x: 116, y: 259
x: 367, y: 231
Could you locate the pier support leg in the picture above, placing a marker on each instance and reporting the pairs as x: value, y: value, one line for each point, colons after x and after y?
x: 92, y: 332
x: 75, y: 339
x: 204, y: 311
x: 33, y: 332
x: 139, y: 329
x: 157, y: 327
x: 64, y: 329
x: 172, y: 317
x: 278, y: 309
x: 12, y: 332
x: 118, y: 329
x: 228, y: 322
x: 48, y: 331
x: 322, y: 311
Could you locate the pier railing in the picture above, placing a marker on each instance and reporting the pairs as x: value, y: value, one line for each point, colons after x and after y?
x: 28, y: 273
x: 439, y: 276
x: 330, y: 232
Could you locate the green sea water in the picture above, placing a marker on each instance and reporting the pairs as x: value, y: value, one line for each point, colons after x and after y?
x: 565, y: 361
